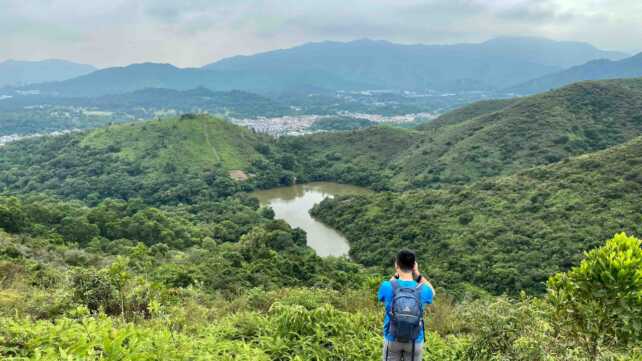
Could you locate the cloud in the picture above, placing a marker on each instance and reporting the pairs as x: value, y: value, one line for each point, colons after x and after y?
x: 195, y: 32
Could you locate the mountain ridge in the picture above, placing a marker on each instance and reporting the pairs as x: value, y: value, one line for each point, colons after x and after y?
x: 599, y: 69
x: 19, y: 72
x: 356, y: 65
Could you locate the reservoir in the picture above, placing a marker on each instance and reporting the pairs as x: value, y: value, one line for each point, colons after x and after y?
x: 293, y: 204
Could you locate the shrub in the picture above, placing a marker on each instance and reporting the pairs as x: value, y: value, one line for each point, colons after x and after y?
x: 599, y: 303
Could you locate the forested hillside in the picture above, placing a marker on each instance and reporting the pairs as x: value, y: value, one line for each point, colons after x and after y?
x: 536, y: 130
x: 500, y: 234
x: 181, y: 160
x: 486, y: 139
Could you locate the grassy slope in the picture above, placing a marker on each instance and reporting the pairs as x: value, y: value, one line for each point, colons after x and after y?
x: 504, y: 233
x: 167, y: 161
x: 468, y: 112
x: 198, y: 143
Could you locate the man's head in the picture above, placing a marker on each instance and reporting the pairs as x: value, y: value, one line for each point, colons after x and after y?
x: 405, y: 261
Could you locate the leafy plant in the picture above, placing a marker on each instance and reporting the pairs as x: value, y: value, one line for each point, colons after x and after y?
x: 600, y: 301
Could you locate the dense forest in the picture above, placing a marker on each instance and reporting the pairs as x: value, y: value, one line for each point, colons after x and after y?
x: 502, y: 234
x: 135, y: 241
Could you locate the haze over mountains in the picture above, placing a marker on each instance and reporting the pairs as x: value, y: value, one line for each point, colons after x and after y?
x: 15, y: 73
x: 593, y: 70
x: 371, y: 64
x: 356, y: 65
x: 375, y: 78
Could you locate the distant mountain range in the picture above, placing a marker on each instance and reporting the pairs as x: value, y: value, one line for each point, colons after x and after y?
x: 380, y: 64
x: 593, y: 70
x: 355, y: 65
x: 17, y: 73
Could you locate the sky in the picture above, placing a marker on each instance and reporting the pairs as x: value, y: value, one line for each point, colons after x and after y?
x: 196, y: 32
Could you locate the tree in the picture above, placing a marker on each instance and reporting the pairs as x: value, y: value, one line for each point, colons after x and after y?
x: 600, y: 302
x: 12, y: 216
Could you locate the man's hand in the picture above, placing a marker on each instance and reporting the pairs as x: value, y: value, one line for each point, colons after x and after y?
x: 423, y: 280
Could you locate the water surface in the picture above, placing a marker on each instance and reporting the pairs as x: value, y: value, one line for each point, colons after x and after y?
x: 293, y: 204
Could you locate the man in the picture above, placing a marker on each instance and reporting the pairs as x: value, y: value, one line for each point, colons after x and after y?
x: 404, y: 296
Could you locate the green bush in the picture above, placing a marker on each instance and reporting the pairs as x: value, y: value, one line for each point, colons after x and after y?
x: 600, y: 302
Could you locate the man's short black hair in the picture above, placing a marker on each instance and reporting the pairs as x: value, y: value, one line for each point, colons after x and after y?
x: 406, y: 260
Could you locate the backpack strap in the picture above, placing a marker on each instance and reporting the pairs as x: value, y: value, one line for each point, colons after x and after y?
x: 395, y: 287
x: 413, y: 350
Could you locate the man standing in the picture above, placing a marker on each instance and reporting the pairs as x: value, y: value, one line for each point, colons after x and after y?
x: 404, y: 297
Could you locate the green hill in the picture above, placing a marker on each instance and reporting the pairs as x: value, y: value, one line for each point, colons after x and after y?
x: 470, y: 111
x: 536, y: 130
x: 503, y: 233
x: 197, y: 142
x: 164, y: 161
x: 486, y: 139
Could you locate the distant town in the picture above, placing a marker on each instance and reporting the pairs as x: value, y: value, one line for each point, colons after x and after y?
x: 302, y: 124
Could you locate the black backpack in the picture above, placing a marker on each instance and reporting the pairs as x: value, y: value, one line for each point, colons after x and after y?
x: 406, y: 318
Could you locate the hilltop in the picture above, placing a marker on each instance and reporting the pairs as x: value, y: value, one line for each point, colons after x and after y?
x: 196, y: 142
x: 170, y: 160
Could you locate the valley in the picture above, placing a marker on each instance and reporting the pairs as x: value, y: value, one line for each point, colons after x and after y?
x: 249, y: 209
x: 188, y: 159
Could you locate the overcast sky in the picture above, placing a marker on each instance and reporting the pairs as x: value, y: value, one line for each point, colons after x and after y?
x: 196, y: 32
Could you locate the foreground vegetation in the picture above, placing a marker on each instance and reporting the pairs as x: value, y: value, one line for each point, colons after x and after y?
x: 116, y: 309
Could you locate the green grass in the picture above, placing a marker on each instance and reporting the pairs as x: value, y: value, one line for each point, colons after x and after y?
x: 197, y: 143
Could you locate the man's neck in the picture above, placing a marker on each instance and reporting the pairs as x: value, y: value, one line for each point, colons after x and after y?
x: 406, y: 276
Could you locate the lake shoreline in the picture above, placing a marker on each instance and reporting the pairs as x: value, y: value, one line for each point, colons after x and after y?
x: 293, y: 204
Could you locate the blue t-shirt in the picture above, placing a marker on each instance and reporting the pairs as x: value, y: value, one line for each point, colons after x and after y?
x: 385, y: 295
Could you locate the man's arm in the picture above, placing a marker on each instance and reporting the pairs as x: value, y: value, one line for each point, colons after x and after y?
x: 423, y: 279
x: 384, y: 290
